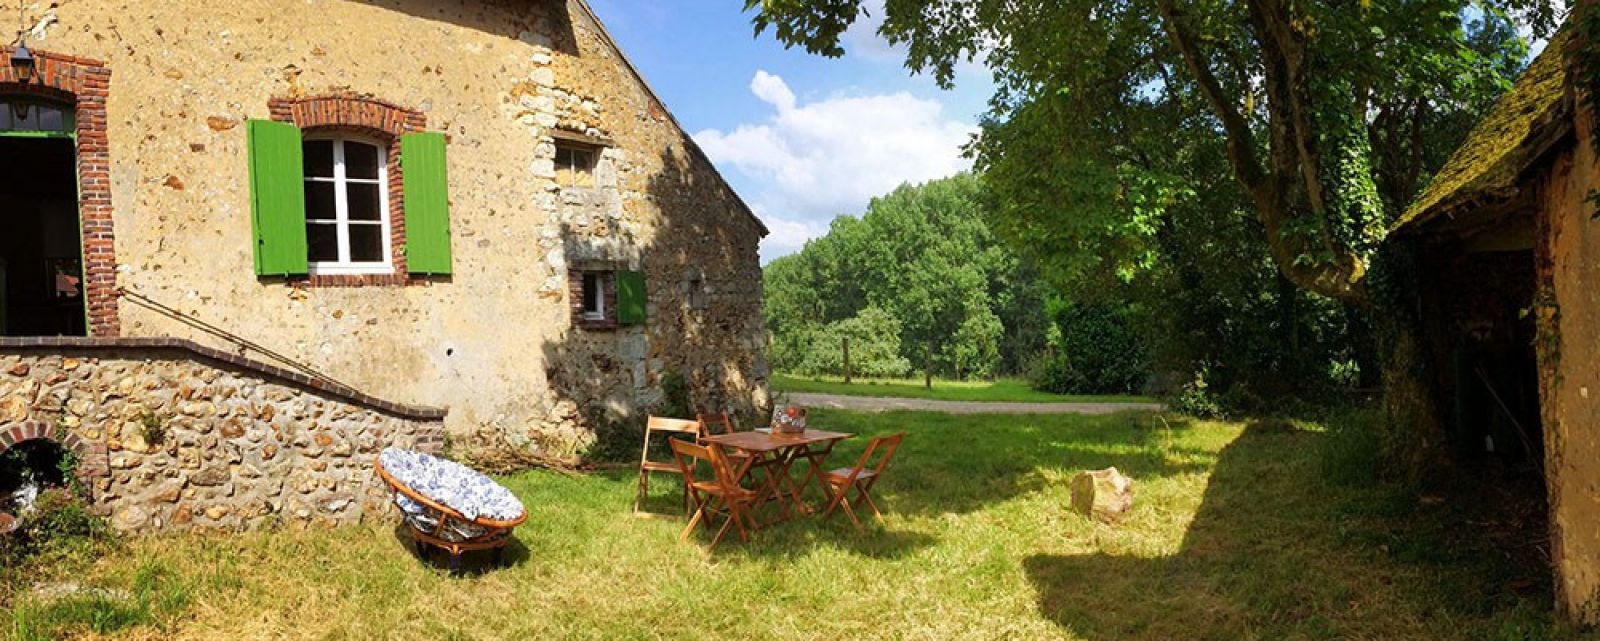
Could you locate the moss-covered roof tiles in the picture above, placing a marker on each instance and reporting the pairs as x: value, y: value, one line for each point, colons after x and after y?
x: 1509, y: 138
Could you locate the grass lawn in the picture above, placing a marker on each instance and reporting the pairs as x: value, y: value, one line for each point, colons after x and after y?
x: 1004, y: 390
x: 1235, y: 535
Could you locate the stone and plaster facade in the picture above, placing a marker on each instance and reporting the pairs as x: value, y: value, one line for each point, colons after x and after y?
x: 164, y: 91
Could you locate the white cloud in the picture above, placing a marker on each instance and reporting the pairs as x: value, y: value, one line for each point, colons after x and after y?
x: 862, y: 38
x: 812, y: 161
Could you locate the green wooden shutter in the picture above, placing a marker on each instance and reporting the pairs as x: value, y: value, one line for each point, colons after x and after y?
x: 630, y: 298
x: 277, y: 198
x: 427, y: 201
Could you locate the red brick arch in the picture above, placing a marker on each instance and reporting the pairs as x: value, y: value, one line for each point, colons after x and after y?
x: 92, y: 458
x: 377, y: 119
x: 83, y: 83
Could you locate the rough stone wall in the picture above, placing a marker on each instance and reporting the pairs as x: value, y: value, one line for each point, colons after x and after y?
x: 1568, y: 259
x: 200, y: 445
x: 493, y: 342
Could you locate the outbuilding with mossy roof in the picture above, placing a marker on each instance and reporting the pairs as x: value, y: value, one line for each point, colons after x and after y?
x: 1506, y: 244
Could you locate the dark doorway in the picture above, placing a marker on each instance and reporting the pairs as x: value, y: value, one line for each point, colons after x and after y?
x: 41, y: 247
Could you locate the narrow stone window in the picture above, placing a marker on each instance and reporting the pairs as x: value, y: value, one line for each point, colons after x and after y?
x: 575, y: 164
x: 697, y: 293
x: 347, y: 206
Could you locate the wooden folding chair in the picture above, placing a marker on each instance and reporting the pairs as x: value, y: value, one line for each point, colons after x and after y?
x: 675, y: 429
x: 839, y: 482
x: 713, y: 424
x: 719, y: 495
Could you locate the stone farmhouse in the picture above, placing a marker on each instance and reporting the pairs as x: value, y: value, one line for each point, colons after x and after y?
x: 1507, y: 243
x: 246, y: 245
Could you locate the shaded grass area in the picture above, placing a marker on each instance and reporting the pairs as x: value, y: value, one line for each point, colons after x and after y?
x: 1236, y: 534
x: 1002, y: 390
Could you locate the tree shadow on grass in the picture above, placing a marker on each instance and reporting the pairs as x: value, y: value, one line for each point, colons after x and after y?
x: 1276, y: 552
x: 955, y: 464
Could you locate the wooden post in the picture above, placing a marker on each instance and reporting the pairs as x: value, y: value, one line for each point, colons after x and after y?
x: 927, y: 365
x: 846, y: 342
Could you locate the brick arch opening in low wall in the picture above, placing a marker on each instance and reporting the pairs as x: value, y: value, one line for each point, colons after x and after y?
x: 93, y: 461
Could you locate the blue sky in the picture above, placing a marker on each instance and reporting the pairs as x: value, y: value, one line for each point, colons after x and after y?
x: 802, y: 138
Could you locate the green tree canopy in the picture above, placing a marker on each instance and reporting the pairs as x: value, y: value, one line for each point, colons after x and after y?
x: 1328, y: 113
x: 924, y: 257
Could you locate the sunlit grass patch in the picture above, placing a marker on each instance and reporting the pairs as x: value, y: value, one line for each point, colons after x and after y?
x: 1002, y: 390
x: 1236, y: 533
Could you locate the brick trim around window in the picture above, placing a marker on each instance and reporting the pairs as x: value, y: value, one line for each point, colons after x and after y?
x: 372, y: 117
x: 83, y: 83
x: 575, y: 293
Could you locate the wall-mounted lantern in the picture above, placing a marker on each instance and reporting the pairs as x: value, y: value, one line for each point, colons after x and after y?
x: 22, y: 62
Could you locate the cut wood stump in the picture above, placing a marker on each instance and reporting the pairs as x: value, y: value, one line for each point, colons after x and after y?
x: 1104, y: 495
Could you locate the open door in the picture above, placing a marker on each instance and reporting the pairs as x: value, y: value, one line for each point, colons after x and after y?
x: 41, y: 249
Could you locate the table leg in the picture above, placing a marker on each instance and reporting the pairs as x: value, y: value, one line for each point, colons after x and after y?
x: 815, y: 459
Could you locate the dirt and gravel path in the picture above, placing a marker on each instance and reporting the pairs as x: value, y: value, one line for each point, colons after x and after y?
x: 879, y: 404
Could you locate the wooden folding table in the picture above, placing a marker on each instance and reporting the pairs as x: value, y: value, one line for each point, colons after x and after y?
x: 776, y: 453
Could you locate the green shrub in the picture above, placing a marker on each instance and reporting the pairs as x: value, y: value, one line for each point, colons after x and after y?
x: 1054, y: 374
x: 1104, y: 348
x: 60, y: 522
x: 1196, y: 399
x: 874, y: 336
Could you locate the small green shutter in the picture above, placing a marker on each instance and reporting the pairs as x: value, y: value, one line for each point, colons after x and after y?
x: 427, y: 201
x: 277, y: 198
x: 630, y: 298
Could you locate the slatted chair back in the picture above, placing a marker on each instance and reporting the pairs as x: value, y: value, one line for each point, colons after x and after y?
x: 883, y: 447
x: 714, y: 424
x: 661, y: 425
x: 693, y: 456
x: 861, y: 477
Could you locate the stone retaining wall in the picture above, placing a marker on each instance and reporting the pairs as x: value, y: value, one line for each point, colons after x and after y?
x: 194, y: 438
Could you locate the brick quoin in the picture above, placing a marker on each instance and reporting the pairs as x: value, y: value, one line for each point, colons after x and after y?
x: 83, y: 83
x: 374, y: 118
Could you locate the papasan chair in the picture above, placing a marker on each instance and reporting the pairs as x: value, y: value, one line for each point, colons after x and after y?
x: 450, y: 506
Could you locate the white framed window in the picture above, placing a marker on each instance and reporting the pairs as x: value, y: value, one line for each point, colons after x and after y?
x: 594, y: 296
x: 347, y: 205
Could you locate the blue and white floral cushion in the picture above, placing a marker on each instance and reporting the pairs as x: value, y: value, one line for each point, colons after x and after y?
x: 451, y: 484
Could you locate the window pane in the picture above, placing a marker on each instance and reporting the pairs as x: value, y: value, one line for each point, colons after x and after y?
x: 319, y: 158
x: 591, y: 293
x: 323, y: 241
x: 319, y: 200
x: 49, y: 119
x: 28, y: 120
x: 366, y: 243
x: 5, y: 117
x: 360, y: 160
x: 362, y: 199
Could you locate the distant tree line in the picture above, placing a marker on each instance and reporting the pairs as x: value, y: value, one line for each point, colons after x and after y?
x: 926, y: 280
x: 919, y: 281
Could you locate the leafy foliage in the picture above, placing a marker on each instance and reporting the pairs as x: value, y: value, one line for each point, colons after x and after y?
x: 874, y: 341
x: 1328, y: 115
x: 1094, y: 349
x: 922, y: 259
